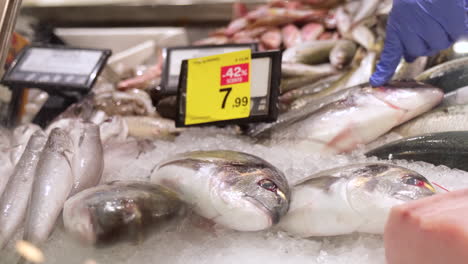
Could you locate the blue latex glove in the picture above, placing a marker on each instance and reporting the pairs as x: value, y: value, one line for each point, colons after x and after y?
x: 419, y: 28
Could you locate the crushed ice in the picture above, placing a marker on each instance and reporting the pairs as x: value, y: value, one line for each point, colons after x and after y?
x: 183, y: 242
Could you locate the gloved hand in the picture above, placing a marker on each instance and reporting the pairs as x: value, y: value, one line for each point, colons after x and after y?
x: 419, y: 28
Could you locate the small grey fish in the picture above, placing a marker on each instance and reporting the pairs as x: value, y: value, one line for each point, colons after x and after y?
x: 354, y: 198
x: 448, y: 76
x: 233, y: 189
x: 299, y: 70
x: 52, y: 185
x: 118, y: 211
x: 365, y: 10
x: 312, y: 52
x: 88, y: 156
x: 364, y: 36
x: 447, y: 148
x: 342, y: 54
x: 14, y: 202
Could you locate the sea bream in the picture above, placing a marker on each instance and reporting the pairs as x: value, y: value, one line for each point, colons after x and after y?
x: 52, y: 186
x: 233, y: 189
x: 14, y: 202
x: 342, y: 121
x: 118, y: 211
x: 354, y: 198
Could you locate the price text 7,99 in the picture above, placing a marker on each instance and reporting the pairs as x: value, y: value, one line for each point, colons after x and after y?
x: 239, y: 101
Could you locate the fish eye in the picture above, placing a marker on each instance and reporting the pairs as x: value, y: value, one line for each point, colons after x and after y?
x: 413, y: 181
x: 268, y: 185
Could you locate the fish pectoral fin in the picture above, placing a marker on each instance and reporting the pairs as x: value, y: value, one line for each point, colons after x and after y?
x: 344, y: 141
x: 322, y: 182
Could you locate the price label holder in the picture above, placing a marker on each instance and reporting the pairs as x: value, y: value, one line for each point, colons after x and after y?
x: 173, y: 58
x: 212, y: 97
x: 61, y: 71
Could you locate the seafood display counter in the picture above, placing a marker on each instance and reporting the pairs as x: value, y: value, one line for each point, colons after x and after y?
x: 342, y: 172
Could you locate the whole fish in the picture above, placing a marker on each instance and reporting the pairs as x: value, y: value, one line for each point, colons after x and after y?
x: 409, y: 71
x: 446, y: 148
x: 298, y: 70
x: 442, y: 119
x: 355, y: 198
x: 361, y: 117
x: 448, y: 76
x: 385, y: 7
x: 272, y: 38
x: 364, y: 36
x: 52, y: 184
x: 150, y: 127
x: 233, y: 189
x: 343, y: 21
x: 366, y: 9
x: 342, y: 54
x: 118, y: 211
x: 363, y: 73
x: 312, y: 31
x: 14, y: 202
x: 313, y: 52
x: 88, y: 157
x: 20, y: 139
x: 291, y: 35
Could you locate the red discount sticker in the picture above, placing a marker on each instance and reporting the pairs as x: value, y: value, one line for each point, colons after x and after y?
x: 234, y: 74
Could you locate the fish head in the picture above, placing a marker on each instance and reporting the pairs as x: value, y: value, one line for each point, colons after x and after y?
x: 258, y: 192
x: 408, y: 185
x: 392, y: 182
x: 376, y: 188
x: 60, y: 141
x: 412, y: 98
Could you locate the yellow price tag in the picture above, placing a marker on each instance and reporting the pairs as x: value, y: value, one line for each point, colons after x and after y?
x: 218, y: 88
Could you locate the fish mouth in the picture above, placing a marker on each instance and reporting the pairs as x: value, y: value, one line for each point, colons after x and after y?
x: 273, y: 216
